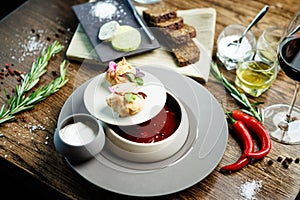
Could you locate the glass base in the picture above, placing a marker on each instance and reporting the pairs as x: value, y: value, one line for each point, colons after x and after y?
x: 280, y: 130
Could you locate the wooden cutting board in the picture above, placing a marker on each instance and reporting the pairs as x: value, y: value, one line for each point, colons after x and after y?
x: 203, y: 19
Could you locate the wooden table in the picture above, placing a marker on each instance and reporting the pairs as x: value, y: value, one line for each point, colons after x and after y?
x: 31, y: 166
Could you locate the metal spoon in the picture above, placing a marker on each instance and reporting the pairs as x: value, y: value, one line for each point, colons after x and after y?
x: 254, y: 21
x: 140, y: 21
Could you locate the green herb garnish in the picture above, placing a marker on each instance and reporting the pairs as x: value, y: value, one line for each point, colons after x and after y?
x: 132, y: 78
x: 130, y: 97
x: 20, y: 101
x: 139, y: 81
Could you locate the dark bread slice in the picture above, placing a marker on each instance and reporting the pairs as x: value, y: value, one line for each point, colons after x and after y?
x: 157, y: 14
x: 173, y: 24
x: 174, y: 34
x: 186, y: 54
x: 181, y: 35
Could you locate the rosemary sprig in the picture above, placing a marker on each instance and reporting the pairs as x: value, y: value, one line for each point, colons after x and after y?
x: 240, y: 97
x: 21, y: 102
x: 38, y: 69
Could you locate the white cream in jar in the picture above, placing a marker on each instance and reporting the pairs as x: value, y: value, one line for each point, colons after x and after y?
x: 234, y: 51
x: 78, y: 133
x: 230, y: 55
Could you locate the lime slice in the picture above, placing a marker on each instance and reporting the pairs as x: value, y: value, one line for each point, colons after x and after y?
x: 126, y: 38
x: 108, y: 30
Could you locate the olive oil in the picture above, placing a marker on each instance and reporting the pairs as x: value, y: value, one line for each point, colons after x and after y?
x: 255, y: 77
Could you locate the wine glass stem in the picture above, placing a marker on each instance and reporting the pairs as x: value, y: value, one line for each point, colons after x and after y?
x: 288, y: 115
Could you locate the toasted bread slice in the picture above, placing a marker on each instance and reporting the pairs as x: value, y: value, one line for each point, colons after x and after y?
x: 186, y: 54
x: 173, y: 24
x: 181, y: 35
x: 159, y: 14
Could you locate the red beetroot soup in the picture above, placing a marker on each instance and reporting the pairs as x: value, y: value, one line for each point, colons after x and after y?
x: 164, y: 124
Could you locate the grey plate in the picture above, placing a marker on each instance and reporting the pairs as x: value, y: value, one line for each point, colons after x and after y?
x: 198, y: 157
x: 91, y: 25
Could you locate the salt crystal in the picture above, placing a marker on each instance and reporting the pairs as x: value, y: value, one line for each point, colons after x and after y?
x: 104, y: 10
x: 250, y: 188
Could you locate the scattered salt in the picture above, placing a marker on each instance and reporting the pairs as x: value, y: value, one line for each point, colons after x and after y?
x: 250, y: 188
x: 104, y: 10
x: 31, y: 46
x: 34, y: 127
x: 108, y: 10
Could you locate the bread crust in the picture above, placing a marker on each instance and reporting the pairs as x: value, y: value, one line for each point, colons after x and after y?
x: 186, y: 54
x: 181, y: 35
x: 159, y: 14
x: 174, y: 34
x: 172, y: 24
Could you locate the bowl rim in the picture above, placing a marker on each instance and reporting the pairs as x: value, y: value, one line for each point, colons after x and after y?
x: 66, y: 122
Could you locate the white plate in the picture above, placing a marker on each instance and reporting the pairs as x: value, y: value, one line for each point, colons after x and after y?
x: 97, y: 91
x: 201, y: 153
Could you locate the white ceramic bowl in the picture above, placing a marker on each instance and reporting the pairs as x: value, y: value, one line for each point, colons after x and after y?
x: 150, y: 152
x: 79, y: 137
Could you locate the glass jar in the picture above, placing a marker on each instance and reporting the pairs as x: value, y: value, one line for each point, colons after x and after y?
x: 230, y: 55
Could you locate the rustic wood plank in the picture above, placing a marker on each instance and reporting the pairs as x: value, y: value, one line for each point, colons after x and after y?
x: 32, y: 151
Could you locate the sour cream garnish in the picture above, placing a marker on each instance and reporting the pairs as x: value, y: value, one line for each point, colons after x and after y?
x: 77, y: 134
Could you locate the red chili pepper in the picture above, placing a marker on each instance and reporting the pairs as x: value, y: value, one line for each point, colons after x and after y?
x: 248, y: 146
x: 257, y: 128
x: 239, y: 164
